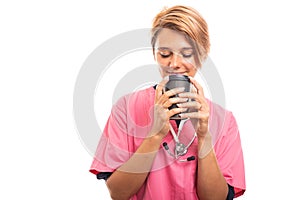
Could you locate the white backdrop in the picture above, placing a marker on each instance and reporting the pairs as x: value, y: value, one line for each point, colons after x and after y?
x: 255, y: 47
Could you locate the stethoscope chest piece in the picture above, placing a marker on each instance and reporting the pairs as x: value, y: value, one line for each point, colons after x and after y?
x: 181, y: 149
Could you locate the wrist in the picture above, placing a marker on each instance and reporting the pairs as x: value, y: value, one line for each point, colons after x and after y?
x: 157, y: 134
x: 158, y: 137
x: 155, y: 138
x: 205, y: 145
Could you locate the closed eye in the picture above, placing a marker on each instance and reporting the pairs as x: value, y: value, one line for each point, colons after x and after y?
x: 165, y: 53
x: 187, y: 53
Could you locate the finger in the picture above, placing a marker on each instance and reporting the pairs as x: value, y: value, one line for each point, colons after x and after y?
x: 202, y: 116
x: 160, y: 87
x: 194, y: 97
x: 189, y: 95
x: 174, y: 91
x: 166, y: 99
x: 197, y: 86
x: 174, y: 100
x: 175, y: 111
x: 190, y: 104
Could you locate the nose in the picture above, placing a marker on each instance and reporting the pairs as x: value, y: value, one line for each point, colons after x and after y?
x: 175, y: 61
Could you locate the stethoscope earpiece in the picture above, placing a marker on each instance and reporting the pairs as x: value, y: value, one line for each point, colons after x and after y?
x: 191, y: 158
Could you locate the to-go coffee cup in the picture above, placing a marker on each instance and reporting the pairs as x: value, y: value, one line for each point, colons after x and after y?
x: 177, y: 81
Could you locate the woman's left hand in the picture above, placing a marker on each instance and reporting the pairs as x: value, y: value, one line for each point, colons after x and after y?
x: 198, y: 108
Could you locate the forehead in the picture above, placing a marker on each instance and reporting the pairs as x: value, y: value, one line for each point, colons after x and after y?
x: 171, y: 39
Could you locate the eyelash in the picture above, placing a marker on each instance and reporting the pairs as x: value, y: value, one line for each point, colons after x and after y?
x: 187, y: 56
x: 165, y: 56
x: 168, y: 55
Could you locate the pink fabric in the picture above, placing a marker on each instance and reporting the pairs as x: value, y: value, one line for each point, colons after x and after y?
x: 129, y: 123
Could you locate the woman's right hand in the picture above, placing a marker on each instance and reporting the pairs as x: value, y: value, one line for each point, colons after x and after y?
x: 162, y: 102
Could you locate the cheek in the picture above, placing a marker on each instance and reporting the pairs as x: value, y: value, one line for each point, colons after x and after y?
x: 191, y: 66
x: 162, y: 61
x: 189, y: 61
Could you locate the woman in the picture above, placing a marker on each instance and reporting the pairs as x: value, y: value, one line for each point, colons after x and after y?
x: 134, y: 154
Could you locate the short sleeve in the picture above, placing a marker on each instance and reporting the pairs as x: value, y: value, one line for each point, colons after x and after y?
x: 229, y: 154
x: 125, y: 129
x: 113, y: 147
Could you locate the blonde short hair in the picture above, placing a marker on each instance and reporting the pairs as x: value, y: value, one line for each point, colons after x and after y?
x: 188, y: 21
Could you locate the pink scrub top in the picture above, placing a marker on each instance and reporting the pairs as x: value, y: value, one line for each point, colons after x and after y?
x: 130, y: 122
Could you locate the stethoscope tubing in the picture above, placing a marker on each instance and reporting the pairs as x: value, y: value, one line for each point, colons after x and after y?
x: 180, y: 148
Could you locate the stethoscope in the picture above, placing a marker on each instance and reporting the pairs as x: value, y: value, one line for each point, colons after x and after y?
x: 180, y: 148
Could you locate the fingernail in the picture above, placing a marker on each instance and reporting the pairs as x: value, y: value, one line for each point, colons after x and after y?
x: 184, y: 109
x: 181, y: 88
x: 181, y: 116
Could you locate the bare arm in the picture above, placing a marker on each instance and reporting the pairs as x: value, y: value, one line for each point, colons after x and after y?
x: 128, y: 179
x: 211, y: 183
